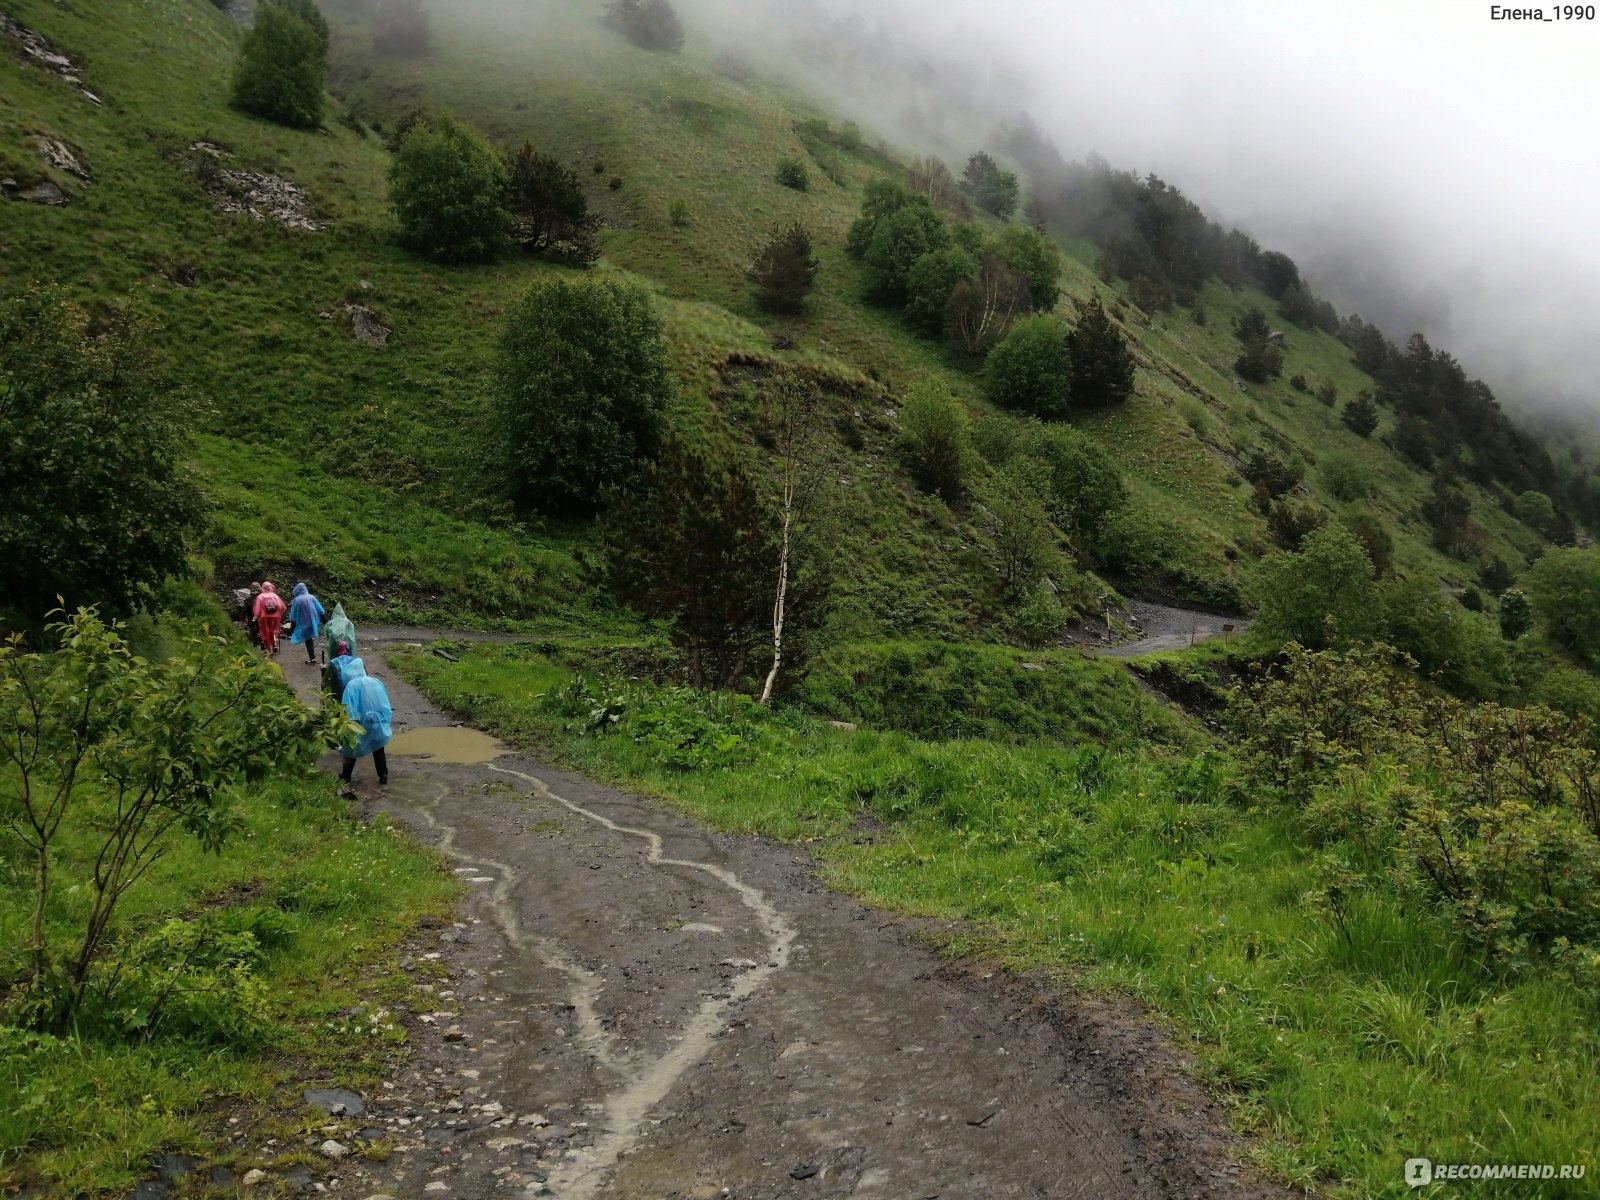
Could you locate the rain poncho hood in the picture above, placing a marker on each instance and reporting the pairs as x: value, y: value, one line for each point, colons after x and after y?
x: 339, y: 629
x: 306, y: 612
x: 341, y: 665
x: 367, y: 703
x: 261, y: 604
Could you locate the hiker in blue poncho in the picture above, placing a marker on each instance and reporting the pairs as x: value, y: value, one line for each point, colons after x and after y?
x: 306, y: 613
x: 367, y: 702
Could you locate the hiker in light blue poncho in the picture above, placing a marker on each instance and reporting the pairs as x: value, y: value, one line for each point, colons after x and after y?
x: 306, y: 612
x: 367, y: 703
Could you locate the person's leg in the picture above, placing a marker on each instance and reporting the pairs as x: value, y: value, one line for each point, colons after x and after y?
x: 381, y: 761
x: 311, y: 649
x: 349, y: 769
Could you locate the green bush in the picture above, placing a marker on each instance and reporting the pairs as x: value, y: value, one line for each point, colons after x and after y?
x: 1035, y: 258
x: 784, y: 271
x: 1102, y: 363
x: 1322, y: 595
x: 582, y: 391
x: 1536, y: 511
x: 898, y: 241
x: 1018, y: 525
x: 1030, y: 371
x: 448, y: 189
x: 929, y: 283
x: 1564, y: 586
x: 1039, y: 619
x: 1079, y: 485
x: 282, y: 67
x: 792, y: 174
x: 100, y: 506
x: 1516, y: 614
x: 1360, y: 416
x: 1345, y: 478
x: 936, y: 439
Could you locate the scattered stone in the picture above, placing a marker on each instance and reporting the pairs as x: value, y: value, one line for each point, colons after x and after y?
x: 437, y: 1185
x: 45, y: 56
x: 804, y: 1171
x: 1034, y: 667
x: 254, y: 193
x: 333, y: 1149
x: 846, y: 726
x: 58, y: 155
x: 253, y: 1177
x: 370, y: 1135
x: 533, y: 1119
x: 363, y: 323
x: 455, y: 1034
x: 335, y: 1102
x: 40, y: 193
x: 700, y: 927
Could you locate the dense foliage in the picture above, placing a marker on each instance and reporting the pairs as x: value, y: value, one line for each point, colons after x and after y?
x: 549, y: 209
x: 283, y: 64
x: 582, y: 391
x: 99, y: 503
x: 785, y: 271
x: 448, y: 188
x: 1031, y: 370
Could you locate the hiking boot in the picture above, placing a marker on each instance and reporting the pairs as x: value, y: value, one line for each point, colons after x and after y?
x: 383, y: 781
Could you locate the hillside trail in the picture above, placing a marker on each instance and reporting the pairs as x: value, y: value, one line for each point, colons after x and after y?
x: 1165, y: 628
x: 630, y: 1006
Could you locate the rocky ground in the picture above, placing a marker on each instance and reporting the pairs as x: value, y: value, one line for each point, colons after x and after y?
x: 631, y: 1007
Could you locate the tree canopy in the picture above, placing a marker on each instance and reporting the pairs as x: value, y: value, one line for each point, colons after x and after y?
x: 448, y: 189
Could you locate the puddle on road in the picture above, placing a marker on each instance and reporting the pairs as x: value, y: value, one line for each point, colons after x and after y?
x: 441, y: 744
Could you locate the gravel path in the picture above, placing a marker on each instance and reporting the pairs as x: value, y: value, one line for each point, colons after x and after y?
x: 632, y: 1007
x: 1165, y: 628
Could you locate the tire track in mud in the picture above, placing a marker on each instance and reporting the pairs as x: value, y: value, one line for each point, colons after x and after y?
x: 646, y: 1087
x: 586, y: 985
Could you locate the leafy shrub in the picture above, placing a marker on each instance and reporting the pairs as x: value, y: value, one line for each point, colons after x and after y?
x: 898, y: 241
x: 283, y: 64
x: 1102, y: 363
x: 994, y: 190
x: 1079, y: 485
x: 1328, y: 393
x: 1516, y: 614
x: 1031, y: 370
x: 785, y: 272
x: 448, y: 188
x: 936, y: 439
x: 1261, y: 358
x: 582, y: 388
x: 99, y: 505
x: 1039, y: 619
x: 1564, y: 586
x: 1345, y: 478
x: 792, y: 174
x: 1018, y: 525
x: 931, y: 280
x: 1321, y: 595
x: 1271, y: 474
x: 1536, y: 511
x: 1299, y: 384
x: 678, y: 214
x: 983, y: 309
x: 615, y: 183
x: 1290, y: 522
x: 1035, y: 258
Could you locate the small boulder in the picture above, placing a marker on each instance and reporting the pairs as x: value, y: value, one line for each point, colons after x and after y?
x: 253, y: 1177
x: 334, y: 1150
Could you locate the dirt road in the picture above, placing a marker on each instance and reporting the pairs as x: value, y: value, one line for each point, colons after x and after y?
x: 631, y: 1007
x: 1166, y: 628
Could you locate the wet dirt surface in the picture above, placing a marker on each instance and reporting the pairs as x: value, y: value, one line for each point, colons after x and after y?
x: 1165, y: 628
x: 632, y: 1007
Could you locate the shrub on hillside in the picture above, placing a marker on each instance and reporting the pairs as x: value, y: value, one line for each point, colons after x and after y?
x: 792, y: 174
x: 1345, y: 478
x: 582, y: 391
x: 1079, y: 485
x: 785, y: 271
x: 1290, y: 522
x: 883, y: 198
x: 1031, y: 370
x: 549, y: 210
x: 1536, y: 511
x: 1271, y: 474
x: 1564, y: 586
x: 898, y: 241
x: 1025, y: 549
x: 1328, y: 393
x: 930, y: 282
x: 1261, y: 357
x: 1322, y: 595
x: 1516, y: 614
x: 1102, y: 363
x: 1375, y: 539
x: 648, y: 24
x: 448, y: 189
x: 99, y: 503
x: 936, y: 439
x: 1039, y: 618
x: 694, y: 542
x: 283, y: 65
x: 678, y: 214
x: 1360, y: 416
x: 994, y: 190
x: 983, y: 309
x: 1036, y: 259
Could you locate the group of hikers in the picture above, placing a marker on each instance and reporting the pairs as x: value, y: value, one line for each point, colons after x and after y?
x: 305, y: 621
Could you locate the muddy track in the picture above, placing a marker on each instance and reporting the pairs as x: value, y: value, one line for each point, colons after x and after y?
x: 632, y: 1007
x: 1163, y: 628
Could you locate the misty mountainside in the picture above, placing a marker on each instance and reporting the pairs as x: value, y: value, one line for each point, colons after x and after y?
x: 389, y: 437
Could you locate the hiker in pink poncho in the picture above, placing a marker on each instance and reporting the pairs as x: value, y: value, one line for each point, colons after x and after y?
x: 269, y: 617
